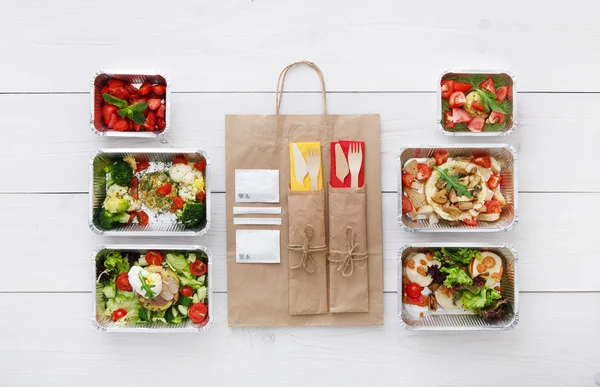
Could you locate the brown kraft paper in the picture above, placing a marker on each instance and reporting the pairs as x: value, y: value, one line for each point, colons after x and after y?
x: 258, y: 294
x: 307, y: 252
x: 348, y: 252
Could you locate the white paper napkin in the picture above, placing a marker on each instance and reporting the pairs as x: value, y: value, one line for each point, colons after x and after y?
x: 257, y: 246
x: 257, y: 186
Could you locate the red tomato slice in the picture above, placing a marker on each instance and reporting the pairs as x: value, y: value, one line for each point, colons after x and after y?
x: 142, y: 218
x: 493, y: 206
x: 187, y: 291
x: 448, y: 122
x: 413, y: 290
x: 200, y: 197
x: 440, y: 156
x: 478, y: 105
x: 406, y: 205
x: 457, y: 99
x: 488, y: 85
x: 133, y: 192
x: 502, y: 93
x: 119, y: 314
x: 476, y: 124
x: 154, y: 257
x: 509, y: 93
x: 407, y: 179
x: 459, y: 115
x: 482, y: 161
x: 424, y: 171
x: 200, y: 165
x: 496, y: 118
x: 164, y: 189
x: 198, y: 267
x: 197, y: 312
x: 134, y: 182
x: 493, y: 181
x: 447, y: 88
x: 122, y: 282
x: 141, y: 165
x: 178, y: 202
x: 180, y: 160
x: 470, y: 221
x: 132, y: 216
x: 464, y: 87
x: 415, y: 301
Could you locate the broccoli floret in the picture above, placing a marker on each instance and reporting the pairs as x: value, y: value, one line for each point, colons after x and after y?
x: 192, y: 214
x: 119, y: 172
x: 109, y: 221
x: 115, y: 205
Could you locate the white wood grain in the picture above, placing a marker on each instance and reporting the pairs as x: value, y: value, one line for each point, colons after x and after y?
x: 51, y: 343
x: 554, y: 127
x: 553, y: 239
x: 241, y: 45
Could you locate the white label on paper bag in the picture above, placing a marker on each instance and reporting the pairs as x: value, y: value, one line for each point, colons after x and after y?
x: 257, y: 210
x: 259, y: 221
x: 257, y: 186
x: 257, y: 246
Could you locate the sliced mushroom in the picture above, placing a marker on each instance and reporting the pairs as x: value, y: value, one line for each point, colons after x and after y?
x: 440, y: 184
x: 464, y: 180
x: 465, y: 205
x: 475, y: 180
x: 498, y: 195
x: 453, y: 196
x: 459, y: 171
x: 425, y: 210
x: 464, y: 198
x: 471, y: 168
x: 492, y: 217
x: 417, y: 186
x: 451, y: 209
x: 433, y: 218
x: 432, y: 302
x: 441, y: 197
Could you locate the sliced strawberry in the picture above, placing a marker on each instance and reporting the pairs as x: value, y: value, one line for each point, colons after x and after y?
x: 121, y: 125
x: 131, y: 89
x: 113, y: 120
x: 159, y: 89
x: 154, y: 103
x: 136, y: 127
x: 105, y: 89
x: 129, y: 125
x: 145, y: 88
x: 160, y: 113
x: 161, y: 124
x: 107, y: 112
x: 120, y: 93
x: 150, y: 123
x: 115, y: 83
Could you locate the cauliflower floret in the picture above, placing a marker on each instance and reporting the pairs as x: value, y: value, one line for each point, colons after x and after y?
x: 131, y: 161
x: 178, y: 172
x: 189, y: 178
x: 134, y: 205
x: 188, y: 193
x: 116, y: 191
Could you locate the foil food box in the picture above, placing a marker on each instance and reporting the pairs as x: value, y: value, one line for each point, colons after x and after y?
x: 106, y: 324
x: 506, y: 156
x: 161, y: 224
x: 134, y: 77
x: 463, y: 320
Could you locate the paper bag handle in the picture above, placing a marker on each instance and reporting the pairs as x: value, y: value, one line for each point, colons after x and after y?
x: 281, y: 81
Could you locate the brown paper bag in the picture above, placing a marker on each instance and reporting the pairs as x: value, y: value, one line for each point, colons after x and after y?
x: 307, y: 252
x: 258, y: 294
x: 348, y: 251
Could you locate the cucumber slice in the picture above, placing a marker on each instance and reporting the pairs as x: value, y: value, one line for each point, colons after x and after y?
x: 182, y: 309
x: 144, y: 314
x: 195, y: 298
x: 171, y: 314
x: 109, y: 291
x: 142, y: 261
x: 202, y: 292
x: 201, y: 278
x: 185, y: 301
x: 191, y: 257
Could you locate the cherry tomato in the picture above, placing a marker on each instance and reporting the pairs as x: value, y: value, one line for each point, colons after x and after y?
x: 447, y: 88
x: 180, y: 160
x: 493, y: 206
x: 200, y: 165
x: 496, y: 118
x: 424, y: 171
x: 142, y: 218
x: 123, y: 282
x: 164, y: 189
x: 133, y: 192
x: 482, y: 161
x: 448, y: 120
x: 501, y: 93
x: 457, y: 99
x: 470, y: 221
x: 459, y: 115
x: 440, y: 156
x: 493, y: 181
x: 200, y: 196
x: 509, y: 93
x: 419, y: 301
x: 478, y: 105
x: 141, y: 165
x: 407, y: 179
x: 178, y: 202
x: 476, y: 124
x: 187, y: 291
x: 119, y: 314
x: 464, y: 87
x: 198, y: 267
x: 134, y: 182
x: 197, y: 312
x: 132, y: 216
x: 488, y: 85
x: 413, y: 290
x: 154, y: 257
x: 406, y: 205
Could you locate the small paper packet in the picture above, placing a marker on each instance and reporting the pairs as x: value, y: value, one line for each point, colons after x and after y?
x: 257, y: 186
x: 257, y: 246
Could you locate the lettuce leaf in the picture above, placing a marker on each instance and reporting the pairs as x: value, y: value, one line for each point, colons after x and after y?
x: 123, y: 300
x: 193, y: 283
x: 462, y: 256
x: 456, y: 276
x: 476, y: 301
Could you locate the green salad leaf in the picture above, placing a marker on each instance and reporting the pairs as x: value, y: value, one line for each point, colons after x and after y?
x: 456, y: 276
x: 462, y: 256
x: 452, y: 182
x: 475, y: 301
x: 490, y: 102
x: 193, y: 283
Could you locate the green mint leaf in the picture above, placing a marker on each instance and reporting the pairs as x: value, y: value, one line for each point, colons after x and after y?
x: 452, y: 182
x: 139, y: 107
x: 122, y: 112
x: 138, y: 118
x: 114, y: 101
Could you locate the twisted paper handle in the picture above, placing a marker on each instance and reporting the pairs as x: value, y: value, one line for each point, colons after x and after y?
x: 346, y: 264
x: 307, y: 259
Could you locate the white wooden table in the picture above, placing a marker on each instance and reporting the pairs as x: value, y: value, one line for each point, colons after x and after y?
x: 224, y: 57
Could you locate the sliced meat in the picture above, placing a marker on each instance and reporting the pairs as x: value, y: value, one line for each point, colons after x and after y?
x: 411, y: 167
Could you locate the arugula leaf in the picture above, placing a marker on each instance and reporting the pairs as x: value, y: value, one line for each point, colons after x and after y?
x: 452, y: 182
x: 490, y: 102
x: 146, y: 286
x: 114, y: 101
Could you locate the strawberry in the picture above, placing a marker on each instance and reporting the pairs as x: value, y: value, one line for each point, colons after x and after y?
x: 129, y: 125
x: 145, y: 88
x: 136, y: 127
x: 130, y: 88
x: 154, y: 103
x: 121, y: 125
x: 107, y: 112
x: 104, y: 90
x: 150, y: 123
x: 161, y: 124
x: 115, y: 83
x: 119, y: 93
x: 159, y: 89
x: 160, y: 113
x: 112, y: 121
